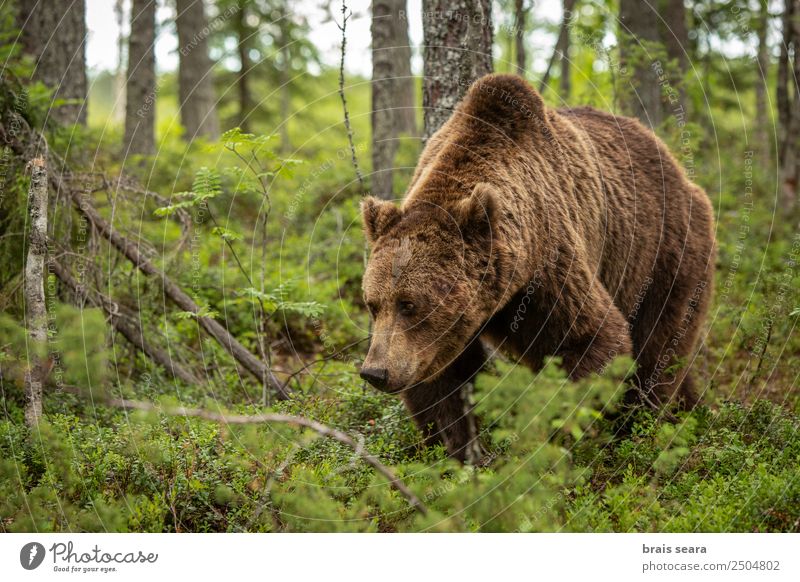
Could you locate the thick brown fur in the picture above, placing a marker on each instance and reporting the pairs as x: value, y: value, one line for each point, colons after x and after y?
x: 569, y: 232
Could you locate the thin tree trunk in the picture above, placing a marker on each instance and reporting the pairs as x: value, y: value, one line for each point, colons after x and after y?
x: 788, y: 98
x: 762, y: 76
x: 565, y: 81
x: 283, y: 77
x: 195, y: 79
x: 674, y: 33
x: 243, y: 83
x: 140, y: 103
x: 792, y: 180
x: 638, y: 37
x: 53, y: 32
x: 392, y: 90
x: 457, y: 51
x: 782, y: 90
x: 405, y: 90
x: 675, y: 36
x: 563, y: 32
x: 118, y: 113
x: 384, y: 114
x: 130, y: 332
x: 520, y: 17
x: 35, y: 307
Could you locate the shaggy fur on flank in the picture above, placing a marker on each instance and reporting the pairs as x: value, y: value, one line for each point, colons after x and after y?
x: 566, y: 232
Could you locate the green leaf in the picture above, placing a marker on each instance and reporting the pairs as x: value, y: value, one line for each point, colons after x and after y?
x: 226, y: 234
x: 204, y: 311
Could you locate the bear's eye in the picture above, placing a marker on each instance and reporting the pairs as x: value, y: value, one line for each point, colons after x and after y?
x: 406, y: 308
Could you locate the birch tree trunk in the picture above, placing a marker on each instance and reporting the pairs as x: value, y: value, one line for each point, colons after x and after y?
x: 53, y: 32
x: 140, y: 102
x: 457, y: 51
x: 35, y: 307
x: 195, y: 80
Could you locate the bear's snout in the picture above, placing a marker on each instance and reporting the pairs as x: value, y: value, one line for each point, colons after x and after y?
x: 378, y: 377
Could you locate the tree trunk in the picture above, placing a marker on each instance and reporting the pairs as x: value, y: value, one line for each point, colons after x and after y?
x: 675, y: 37
x: 638, y: 38
x: 791, y: 174
x: 405, y: 108
x: 140, y: 103
x: 54, y: 34
x: 762, y: 76
x: 788, y: 98
x: 195, y: 79
x: 243, y: 84
x: 782, y: 90
x: 520, y: 17
x: 563, y: 33
x: 284, y: 77
x: 457, y: 51
x: 674, y: 34
x: 118, y: 113
x: 384, y: 114
x: 565, y: 82
x: 35, y: 307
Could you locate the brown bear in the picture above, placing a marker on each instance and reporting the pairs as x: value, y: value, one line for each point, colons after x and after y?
x: 568, y: 232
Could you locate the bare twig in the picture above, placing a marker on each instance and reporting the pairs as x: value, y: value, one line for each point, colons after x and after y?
x: 239, y: 419
x: 762, y: 353
x: 327, y: 358
x: 343, y: 28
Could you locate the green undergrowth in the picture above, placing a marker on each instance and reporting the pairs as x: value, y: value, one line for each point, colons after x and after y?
x: 559, y: 458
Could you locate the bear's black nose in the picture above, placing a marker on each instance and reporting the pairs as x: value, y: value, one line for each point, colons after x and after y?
x: 375, y: 376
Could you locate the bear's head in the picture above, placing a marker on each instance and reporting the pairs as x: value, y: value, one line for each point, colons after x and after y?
x: 428, y: 284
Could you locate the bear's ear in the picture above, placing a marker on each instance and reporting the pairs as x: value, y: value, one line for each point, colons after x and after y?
x: 477, y: 212
x: 378, y: 216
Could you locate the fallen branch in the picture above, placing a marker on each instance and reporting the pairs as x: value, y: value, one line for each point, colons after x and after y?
x: 129, y: 332
x: 240, y: 419
x: 84, y: 205
x: 241, y: 354
x: 35, y: 307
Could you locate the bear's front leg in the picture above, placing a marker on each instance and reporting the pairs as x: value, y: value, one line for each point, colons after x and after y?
x: 442, y: 408
x: 596, y: 329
